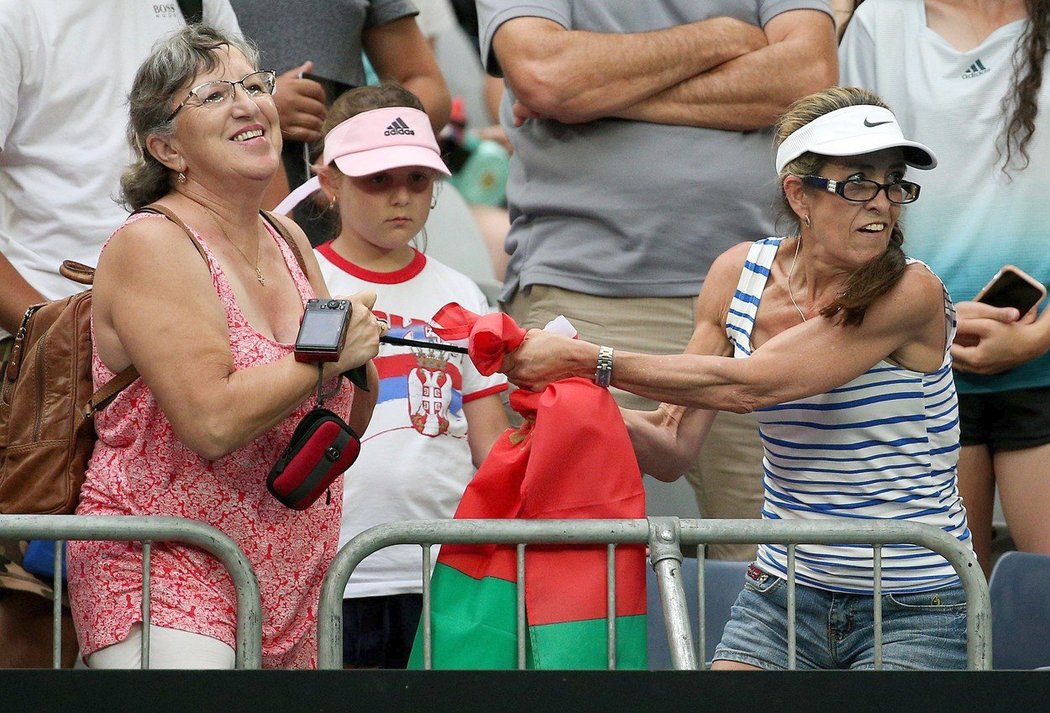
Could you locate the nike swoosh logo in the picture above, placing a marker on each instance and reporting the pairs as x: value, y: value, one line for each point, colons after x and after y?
x: 877, y: 123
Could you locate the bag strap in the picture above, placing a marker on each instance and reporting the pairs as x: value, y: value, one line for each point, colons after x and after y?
x: 77, y: 272
x: 283, y: 232
x: 108, y: 391
x: 167, y: 213
x: 269, y: 217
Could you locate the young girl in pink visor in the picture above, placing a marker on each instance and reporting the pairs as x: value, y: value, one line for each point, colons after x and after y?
x: 436, y: 416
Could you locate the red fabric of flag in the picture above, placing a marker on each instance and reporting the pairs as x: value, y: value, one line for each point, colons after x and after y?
x: 571, y: 458
x: 491, y: 336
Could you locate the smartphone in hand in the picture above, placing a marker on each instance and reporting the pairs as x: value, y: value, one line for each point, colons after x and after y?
x: 1012, y: 287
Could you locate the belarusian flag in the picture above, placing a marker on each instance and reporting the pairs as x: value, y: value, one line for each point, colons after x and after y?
x: 571, y: 459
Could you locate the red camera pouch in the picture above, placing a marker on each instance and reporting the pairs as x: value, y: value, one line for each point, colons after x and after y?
x: 322, y: 447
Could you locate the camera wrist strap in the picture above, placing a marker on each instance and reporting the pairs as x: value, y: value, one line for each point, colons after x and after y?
x: 321, y: 395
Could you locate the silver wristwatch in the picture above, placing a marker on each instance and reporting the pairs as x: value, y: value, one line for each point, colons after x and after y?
x: 603, y: 370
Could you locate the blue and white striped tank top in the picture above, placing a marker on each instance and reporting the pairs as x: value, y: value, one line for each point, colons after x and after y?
x: 883, y: 446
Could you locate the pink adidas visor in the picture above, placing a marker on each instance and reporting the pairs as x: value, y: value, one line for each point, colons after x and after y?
x: 381, y: 139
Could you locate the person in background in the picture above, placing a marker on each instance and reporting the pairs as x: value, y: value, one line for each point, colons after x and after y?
x: 62, y: 149
x: 435, y: 18
x: 220, y: 391
x: 467, y: 81
x: 843, y: 11
x: 842, y: 347
x: 967, y: 78
x: 640, y: 134
x: 329, y: 41
x: 435, y: 411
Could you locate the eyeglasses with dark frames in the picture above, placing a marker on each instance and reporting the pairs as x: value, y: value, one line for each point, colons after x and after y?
x: 862, y: 190
x: 220, y: 91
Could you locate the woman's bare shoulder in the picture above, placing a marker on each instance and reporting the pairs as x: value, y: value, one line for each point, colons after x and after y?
x: 148, y: 247
x: 916, y: 300
x: 920, y: 282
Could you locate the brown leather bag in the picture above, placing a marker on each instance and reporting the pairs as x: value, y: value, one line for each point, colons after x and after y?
x: 47, y: 404
x: 46, y: 400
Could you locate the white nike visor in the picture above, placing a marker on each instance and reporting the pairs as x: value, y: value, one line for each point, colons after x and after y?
x: 853, y: 131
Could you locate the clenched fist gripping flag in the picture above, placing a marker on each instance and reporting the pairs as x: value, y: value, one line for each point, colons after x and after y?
x: 571, y: 458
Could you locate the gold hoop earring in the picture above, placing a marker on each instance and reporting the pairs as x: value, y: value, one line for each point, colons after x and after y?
x: 805, y: 219
x: 433, y: 202
x: 182, y: 177
x: 332, y: 203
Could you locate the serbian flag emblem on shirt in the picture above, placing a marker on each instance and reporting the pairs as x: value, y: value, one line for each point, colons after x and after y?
x: 572, y: 458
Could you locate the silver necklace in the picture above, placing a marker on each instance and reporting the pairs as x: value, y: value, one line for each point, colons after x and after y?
x: 791, y: 271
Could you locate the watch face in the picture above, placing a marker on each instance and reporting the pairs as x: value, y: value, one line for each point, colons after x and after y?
x: 603, y: 370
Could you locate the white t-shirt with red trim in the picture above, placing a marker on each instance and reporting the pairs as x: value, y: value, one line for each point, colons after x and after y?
x: 415, y: 460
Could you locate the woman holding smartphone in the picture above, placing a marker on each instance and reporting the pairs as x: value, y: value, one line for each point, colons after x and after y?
x: 966, y: 78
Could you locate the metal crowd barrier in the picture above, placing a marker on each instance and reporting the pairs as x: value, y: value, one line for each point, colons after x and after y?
x: 665, y: 537
x: 148, y: 530
x: 670, y: 533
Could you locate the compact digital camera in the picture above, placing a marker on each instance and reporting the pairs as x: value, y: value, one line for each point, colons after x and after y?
x: 322, y: 330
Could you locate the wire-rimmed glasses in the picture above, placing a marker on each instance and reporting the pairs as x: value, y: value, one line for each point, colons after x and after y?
x: 862, y: 190
x: 220, y: 91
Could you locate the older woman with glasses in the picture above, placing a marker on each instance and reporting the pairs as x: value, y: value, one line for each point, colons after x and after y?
x: 210, y: 327
x: 840, y: 345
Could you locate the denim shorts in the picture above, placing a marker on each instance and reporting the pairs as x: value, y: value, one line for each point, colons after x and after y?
x: 925, y: 631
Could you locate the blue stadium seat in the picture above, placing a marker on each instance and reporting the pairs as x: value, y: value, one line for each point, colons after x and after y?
x: 723, y: 582
x: 1020, y: 592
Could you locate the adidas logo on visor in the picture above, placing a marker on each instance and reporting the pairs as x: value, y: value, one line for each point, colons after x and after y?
x: 398, y: 127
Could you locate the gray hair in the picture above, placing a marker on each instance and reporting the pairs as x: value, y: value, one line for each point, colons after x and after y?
x: 174, y: 63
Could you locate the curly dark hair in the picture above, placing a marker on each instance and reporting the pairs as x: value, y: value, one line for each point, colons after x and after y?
x: 1021, y: 104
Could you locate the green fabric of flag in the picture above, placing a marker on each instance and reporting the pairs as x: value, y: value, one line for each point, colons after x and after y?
x: 572, y: 458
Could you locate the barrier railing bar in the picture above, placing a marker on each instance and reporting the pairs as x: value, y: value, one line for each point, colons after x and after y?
x: 427, y: 640
x: 665, y: 556
x: 876, y: 593
x: 468, y: 532
x: 146, y: 571
x: 519, y: 605
x: 667, y: 534
x: 792, y: 609
x: 701, y: 605
x: 610, y: 604
x: 159, y: 529
x: 869, y: 532
x: 56, y: 606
